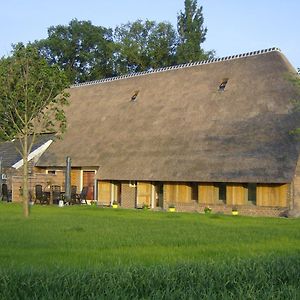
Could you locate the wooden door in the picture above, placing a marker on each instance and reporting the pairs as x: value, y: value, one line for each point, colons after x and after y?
x: 144, y: 191
x: 236, y: 194
x: 178, y: 193
x: 75, y: 178
x: 207, y: 193
x: 184, y: 193
x: 104, y: 192
x: 272, y: 195
x: 88, y: 180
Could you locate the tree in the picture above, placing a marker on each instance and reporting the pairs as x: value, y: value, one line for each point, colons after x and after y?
x: 294, y: 78
x: 141, y: 46
x: 192, y: 33
x: 83, y: 50
x: 32, y: 97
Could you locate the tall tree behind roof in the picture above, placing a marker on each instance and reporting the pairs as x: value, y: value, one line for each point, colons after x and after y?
x: 295, y: 80
x: 192, y: 33
x: 144, y: 45
x: 83, y: 50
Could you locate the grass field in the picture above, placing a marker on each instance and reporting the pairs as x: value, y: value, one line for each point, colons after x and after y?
x: 84, y: 252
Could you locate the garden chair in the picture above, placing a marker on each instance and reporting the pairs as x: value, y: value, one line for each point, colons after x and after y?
x: 5, y: 194
x: 81, y: 198
x: 40, y: 195
x: 73, y: 194
x: 56, y: 193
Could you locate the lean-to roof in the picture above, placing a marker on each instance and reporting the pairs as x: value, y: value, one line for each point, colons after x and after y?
x: 11, y: 156
x: 181, y: 127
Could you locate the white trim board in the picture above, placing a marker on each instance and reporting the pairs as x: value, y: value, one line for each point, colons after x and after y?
x: 36, y: 153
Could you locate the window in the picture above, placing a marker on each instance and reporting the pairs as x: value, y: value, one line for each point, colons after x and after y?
x: 222, y: 191
x: 194, y: 191
x: 134, y: 96
x: 51, y: 172
x: 251, y: 193
x: 223, y: 85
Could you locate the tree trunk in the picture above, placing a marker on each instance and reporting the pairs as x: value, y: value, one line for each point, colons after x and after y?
x: 25, y: 177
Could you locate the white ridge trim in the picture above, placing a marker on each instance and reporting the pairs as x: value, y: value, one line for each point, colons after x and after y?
x: 187, y: 65
x: 36, y: 153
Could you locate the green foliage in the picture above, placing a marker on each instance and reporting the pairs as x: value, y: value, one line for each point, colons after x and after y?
x: 32, y: 98
x: 83, y: 50
x: 31, y: 94
x: 87, y: 52
x: 141, y: 46
x: 192, y: 33
x: 89, y: 236
x: 295, y: 80
x: 262, y: 278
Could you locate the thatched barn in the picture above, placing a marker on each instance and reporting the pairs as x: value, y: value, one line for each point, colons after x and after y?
x: 211, y: 133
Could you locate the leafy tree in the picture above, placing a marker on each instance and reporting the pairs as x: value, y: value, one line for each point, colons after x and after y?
x: 192, y: 33
x: 83, y: 50
x: 32, y: 97
x: 295, y: 80
x: 141, y: 46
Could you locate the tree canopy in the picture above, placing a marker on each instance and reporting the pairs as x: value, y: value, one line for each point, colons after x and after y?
x: 83, y: 50
x: 88, y: 52
x: 32, y: 98
x: 141, y: 46
x: 192, y: 33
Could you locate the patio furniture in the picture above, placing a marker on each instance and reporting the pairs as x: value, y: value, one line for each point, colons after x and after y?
x: 73, y: 194
x: 56, y: 193
x: 5, y: 193
x: 81, y: 198
x: 40, y: 195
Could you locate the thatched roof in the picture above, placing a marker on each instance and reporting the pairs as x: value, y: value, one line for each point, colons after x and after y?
x: 181, y: 127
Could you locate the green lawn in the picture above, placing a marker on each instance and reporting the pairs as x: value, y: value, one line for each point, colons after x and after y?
x: 115, y: 253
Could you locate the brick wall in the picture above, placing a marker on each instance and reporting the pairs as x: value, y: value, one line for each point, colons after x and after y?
x: 39, y: 178
x: 245, y: 210
x: 128, y: 195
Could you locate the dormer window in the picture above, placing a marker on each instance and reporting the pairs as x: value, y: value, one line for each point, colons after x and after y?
x: 223, y: 85
x: 134, y: 96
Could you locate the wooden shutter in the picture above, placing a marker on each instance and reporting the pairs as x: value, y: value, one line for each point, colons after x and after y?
x: 207, y: 193
x: 236, y: 194
x: 184, y: 193
x: 88, y: 180
x: 272, y: 195
x: 178, y: 193
x: 144, y: 192
x: 75, y: 178
x: 104, y: 192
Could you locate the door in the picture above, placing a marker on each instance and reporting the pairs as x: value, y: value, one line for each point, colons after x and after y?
x: 88, y: 180
x: 159, y: 194
x: 104, y: 192
x: 236, y: 194
x: 75, y: 179
x: 144, y: 191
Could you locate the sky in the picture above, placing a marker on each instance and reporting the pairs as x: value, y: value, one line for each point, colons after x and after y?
x: 234, y: 26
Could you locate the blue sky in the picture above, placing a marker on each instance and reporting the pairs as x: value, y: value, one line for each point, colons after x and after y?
x: 233, y: 26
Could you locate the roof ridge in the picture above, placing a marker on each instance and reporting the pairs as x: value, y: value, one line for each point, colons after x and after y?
x: 181, y: 66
